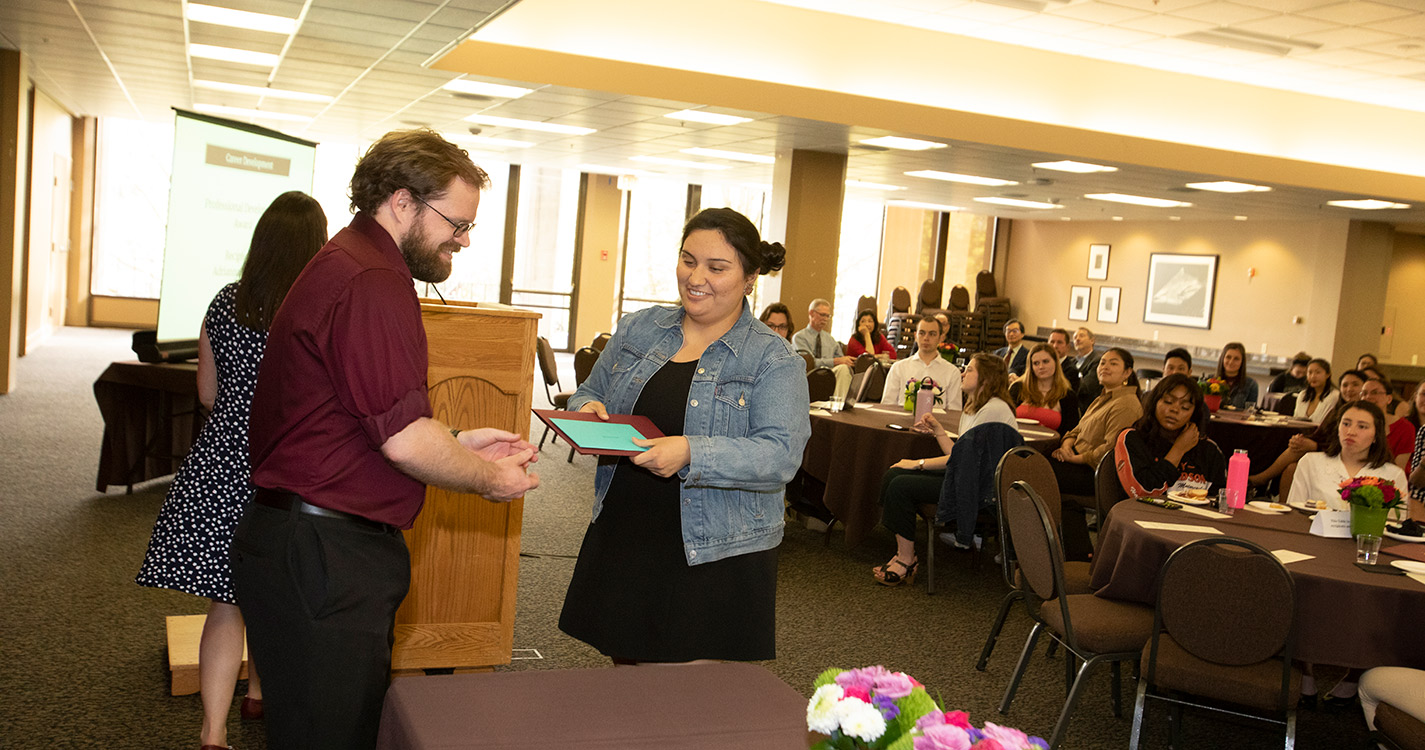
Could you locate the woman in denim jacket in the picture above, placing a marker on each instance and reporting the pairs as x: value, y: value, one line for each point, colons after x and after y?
x: 679, y: 562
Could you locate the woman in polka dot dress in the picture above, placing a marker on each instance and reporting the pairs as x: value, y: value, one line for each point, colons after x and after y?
x: 189, y: 548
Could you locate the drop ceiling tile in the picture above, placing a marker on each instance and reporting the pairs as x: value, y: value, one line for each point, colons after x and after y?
x: 986, y: 13
x: 1096, y: 12
x: 1286, y: 6
x: 1165, y: 25
x: 1222, y: 13
x: 1412, y: 25
x: 1357, y: 12
x: 1044, y: 23
x: 1341, y: 75
x: 1394, y: 67
x: 1284, y: 25
x: 1349, y: 37
x: 1115, y: 36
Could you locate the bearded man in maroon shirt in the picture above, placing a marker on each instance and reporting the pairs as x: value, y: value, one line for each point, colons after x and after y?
x: 343, y: 445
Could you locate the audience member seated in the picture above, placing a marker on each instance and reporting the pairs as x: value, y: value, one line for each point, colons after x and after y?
x: 1016, y: 354
x: 1168, y: 449
x: 1059, y: 339
x: 1232, y: 367
x: 1044, y: 395
x: 1417, y: 459
x: 1367, y: 360
x: 1294, y: 378
x: 777, y: 317
x: 868, y: 337
x: 825, y: 351
x: 1358, y: 449
x: 925, y: 363
x: 1316, y: 400
x: 1077, y: 456
x: 913, y: 482
x: 1401, y: 687
x: 1085, y: 361
x: 1177, y: 362
x: 1399, y: 432
x: 1373, y: 372
x: 1300, y: 445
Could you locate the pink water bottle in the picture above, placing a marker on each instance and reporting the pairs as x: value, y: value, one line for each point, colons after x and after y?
x: 1238, y: 467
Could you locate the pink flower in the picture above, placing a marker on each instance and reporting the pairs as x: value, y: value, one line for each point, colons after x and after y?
x: 959, y: 719
x: 942, y: 737
x: 893, y: 685
x: 856, y: 691
x: 988, y: 744
x: 864, y: 677
x: 1005, y: 736
x: 932, y: 718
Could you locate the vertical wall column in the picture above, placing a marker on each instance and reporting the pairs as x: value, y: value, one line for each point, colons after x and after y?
x: 14, y: 207
x: 81, y: 221
x: 808, y: 188
x: 598, y: 256
x: 1360, y: 301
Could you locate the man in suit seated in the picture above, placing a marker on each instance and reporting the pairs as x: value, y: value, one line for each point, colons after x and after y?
x: 1086, y: 362
x: 825, y: 350
x: 1016, y: 355
x: 1059, y: 339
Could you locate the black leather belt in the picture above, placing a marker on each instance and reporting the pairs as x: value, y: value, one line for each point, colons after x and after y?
x: 291, y: 501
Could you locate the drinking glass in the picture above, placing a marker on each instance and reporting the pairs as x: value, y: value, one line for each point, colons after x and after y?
x: 1367, y: 548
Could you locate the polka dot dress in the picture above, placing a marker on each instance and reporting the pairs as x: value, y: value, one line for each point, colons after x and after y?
x: 189, y: 547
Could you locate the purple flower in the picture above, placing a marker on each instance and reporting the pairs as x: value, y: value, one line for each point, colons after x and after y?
x: 1039, y: 743
x: 894, y: 684
x: 888, y: 706
x: 942, y: 737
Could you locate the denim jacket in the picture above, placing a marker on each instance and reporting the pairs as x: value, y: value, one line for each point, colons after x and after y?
x: 746, y: 423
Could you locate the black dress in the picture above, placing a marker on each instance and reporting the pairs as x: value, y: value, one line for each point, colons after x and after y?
x: 633, y: 595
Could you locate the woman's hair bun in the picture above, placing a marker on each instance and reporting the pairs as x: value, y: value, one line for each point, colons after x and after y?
x: 774, y: 256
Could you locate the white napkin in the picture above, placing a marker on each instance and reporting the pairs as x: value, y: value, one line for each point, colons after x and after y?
x: 1288, y: 557
x: 1178, y: 527
x: 1204, y: 512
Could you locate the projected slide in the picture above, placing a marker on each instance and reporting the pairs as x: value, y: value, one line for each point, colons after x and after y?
x: 225, y: 174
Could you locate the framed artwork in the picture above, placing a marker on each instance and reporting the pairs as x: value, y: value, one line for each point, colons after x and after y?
x: 1079, y: 302
x: 1180, y: 290
x: 1098, y: 262
x: 1108, y: 303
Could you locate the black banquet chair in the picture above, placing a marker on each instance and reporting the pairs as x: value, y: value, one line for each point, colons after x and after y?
x: 821, y: 383
x: 558, y: 398
x: 1224, y: 629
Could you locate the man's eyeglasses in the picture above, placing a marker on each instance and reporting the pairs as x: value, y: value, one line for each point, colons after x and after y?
x: 460, y: 227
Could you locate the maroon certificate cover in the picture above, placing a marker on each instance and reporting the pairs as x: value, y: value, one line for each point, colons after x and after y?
x: 589, y: 444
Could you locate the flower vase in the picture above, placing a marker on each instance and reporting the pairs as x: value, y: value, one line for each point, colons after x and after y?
x: 1213, y: 403
x: 1365, y: 520
x: 910, y: 403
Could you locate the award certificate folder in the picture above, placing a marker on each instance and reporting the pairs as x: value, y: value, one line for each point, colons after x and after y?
x: 592, y: 436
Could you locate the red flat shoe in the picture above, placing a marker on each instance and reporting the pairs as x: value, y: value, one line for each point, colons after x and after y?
x: 215, y: 747
x: 251, y: 709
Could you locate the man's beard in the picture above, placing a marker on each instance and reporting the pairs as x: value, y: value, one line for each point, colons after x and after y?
x: 423, y: 259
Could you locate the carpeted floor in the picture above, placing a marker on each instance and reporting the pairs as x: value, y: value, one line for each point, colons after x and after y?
x: 82, y: 656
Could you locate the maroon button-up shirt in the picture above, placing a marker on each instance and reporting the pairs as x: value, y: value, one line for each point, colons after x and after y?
x: 345, y: 369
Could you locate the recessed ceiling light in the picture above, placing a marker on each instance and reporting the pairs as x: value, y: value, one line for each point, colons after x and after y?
x: 229, y: 54
x: 863, y: 184
x: 214, y: 109
x: 678, y: 162
x: 1369, y: 204
x: 718, y: 153
x: 1118, y: 218
x: 1239, y: 218
x: 1065, y: 218
x: 238, y: 88
x: 485, y: 140
x: 240, y: 19
x: 1137, y: 200
x: 1077, y: 167
x: 968, y: 179
x: 926, y: 206
x: 1175, y: 218
x: 1228, y: 186
x: 1018, y: 203
x: 707, y: 118
x: 904, y: 144
x: 481, y: 88
x: 537, y: 125
x: 602, y: 169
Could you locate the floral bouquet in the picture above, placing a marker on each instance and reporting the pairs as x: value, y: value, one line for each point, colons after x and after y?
x: 1213, y: 386
x: 912, y: 389
x: 874, y: 708
x: 1371, y: 492
x: 949, y: 352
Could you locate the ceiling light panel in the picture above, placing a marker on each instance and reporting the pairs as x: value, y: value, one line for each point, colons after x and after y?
x: 1017, y: 202
x: 215, y: 109
x: 485, y: 140
x: 1077, y: 167
x: 536, y: 125
x: 1370, y: 204
x: 865, y: 185
x: 481, y: 88
x: 904, y: 144
x: 678, y: 162
x: 926, y: 206
x: 707, y: 118
x: 238, y: 88
x: 240, y: 19
x: 717, y: 153
x: 1137, y: 200
x: 229, y: 54
x: 1228, y: 186
x: 968, y: 179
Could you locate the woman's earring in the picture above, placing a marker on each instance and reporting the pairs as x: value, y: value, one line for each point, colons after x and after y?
x: 747, y: 289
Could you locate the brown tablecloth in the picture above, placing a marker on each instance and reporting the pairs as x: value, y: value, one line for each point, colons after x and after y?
x: 151, y: 418
x: 1262, y: 440
x: 1345, y: 616
x: 850, y: 452
x: 695, y: 706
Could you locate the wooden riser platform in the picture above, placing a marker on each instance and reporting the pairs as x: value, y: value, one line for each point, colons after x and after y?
x: 184, y: 634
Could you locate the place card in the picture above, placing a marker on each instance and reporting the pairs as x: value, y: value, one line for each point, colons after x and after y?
x: 1160, y: 526
x: 1288, y: 557
x: 1204, y: 512
x: 1332, y: 524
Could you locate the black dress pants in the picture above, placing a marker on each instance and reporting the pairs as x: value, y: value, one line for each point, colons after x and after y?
x: 319, y: 596
x: 1074, y: 479
x: 902, y: 491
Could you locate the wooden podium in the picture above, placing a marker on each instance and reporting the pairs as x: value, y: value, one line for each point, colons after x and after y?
x: 464, y: 549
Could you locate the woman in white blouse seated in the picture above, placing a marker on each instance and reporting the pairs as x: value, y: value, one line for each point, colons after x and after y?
x: 1316, y: 401
x: 909, y: 482
x: 1358, y: 449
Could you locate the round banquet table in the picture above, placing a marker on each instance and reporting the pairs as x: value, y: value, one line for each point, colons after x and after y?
x: 850, y: 451
x: 1345, y: 616
x: 1263, y: 439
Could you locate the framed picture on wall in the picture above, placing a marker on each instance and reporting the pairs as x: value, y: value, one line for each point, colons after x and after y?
x: 1180, y: 290
x: 1098, y: 262
x: 1079, y: 302
x: 1108, y: 303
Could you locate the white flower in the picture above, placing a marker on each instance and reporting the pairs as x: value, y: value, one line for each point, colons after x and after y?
x: 821, y: 710
x: 860, y: 719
